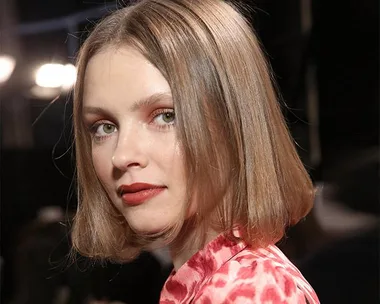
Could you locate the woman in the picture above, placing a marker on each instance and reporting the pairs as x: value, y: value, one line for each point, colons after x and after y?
x: 180, y: 141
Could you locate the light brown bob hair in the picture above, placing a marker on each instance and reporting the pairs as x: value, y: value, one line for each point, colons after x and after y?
x: 240, y: 161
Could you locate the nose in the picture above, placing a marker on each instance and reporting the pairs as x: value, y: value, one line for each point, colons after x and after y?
x: 129, y: 151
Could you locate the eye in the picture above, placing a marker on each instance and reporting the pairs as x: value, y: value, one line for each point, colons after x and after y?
x: 164, y: 118
x: 168, y: 117
x: 104, y: 129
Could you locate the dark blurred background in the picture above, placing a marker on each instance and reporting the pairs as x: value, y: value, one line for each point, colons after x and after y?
x: 325, y: 57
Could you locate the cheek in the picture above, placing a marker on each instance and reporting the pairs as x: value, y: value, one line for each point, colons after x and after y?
x: 177, y: 172
x: 165, y: 151
x: 174, y: 160
x: 100, y: 164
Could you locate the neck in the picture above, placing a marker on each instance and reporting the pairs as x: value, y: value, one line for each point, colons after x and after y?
x: 191, y: 244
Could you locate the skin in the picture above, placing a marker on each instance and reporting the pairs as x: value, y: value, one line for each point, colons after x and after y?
x: 133, y: 135
x: 129, y: 113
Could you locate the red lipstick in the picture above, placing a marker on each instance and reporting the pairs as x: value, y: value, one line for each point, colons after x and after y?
x: 137, y: 193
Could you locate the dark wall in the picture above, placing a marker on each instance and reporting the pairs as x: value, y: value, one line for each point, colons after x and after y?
x: 29, y: 181
x: 346, y: 50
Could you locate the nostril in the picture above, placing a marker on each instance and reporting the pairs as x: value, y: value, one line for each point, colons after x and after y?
x: 125, y: 158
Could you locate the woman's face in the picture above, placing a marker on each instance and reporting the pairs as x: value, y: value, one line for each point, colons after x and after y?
x: 129, y: 112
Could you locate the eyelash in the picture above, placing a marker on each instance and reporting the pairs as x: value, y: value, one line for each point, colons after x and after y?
x: 94, y: 127
x: 159, y: 112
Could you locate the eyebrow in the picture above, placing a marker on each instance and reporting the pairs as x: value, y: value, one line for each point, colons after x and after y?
x: 139, y: 104
x: 149, y: 101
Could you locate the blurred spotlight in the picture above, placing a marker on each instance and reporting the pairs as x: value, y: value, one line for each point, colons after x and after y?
x: 69, y: 76
x: 54, y: 75
x: 49, y: 75
x: 43, y: 92
x: 7, y: 65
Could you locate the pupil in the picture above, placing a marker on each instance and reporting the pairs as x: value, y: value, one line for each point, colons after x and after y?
x: 168, y: 117
x: 107, y: 128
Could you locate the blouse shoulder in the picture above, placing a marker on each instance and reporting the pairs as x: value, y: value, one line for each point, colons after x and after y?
x: 255, y: 277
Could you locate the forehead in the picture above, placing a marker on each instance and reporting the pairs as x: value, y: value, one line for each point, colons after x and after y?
x: 121, y: 74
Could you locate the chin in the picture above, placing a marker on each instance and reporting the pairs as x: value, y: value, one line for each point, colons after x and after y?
x: 144, y: 230
x: 146, y: 223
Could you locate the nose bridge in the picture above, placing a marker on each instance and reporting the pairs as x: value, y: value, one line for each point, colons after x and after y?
x: 128, y: 149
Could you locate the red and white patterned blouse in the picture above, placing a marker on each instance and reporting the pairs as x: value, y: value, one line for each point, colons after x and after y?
x: 230, y: 272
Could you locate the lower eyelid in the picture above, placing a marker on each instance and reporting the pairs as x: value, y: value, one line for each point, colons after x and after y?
x: 97, y: 139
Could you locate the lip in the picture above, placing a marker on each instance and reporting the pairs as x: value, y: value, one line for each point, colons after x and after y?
x: 137, y: 193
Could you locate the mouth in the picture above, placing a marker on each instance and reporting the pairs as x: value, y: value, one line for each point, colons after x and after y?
x: 138, y: 193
